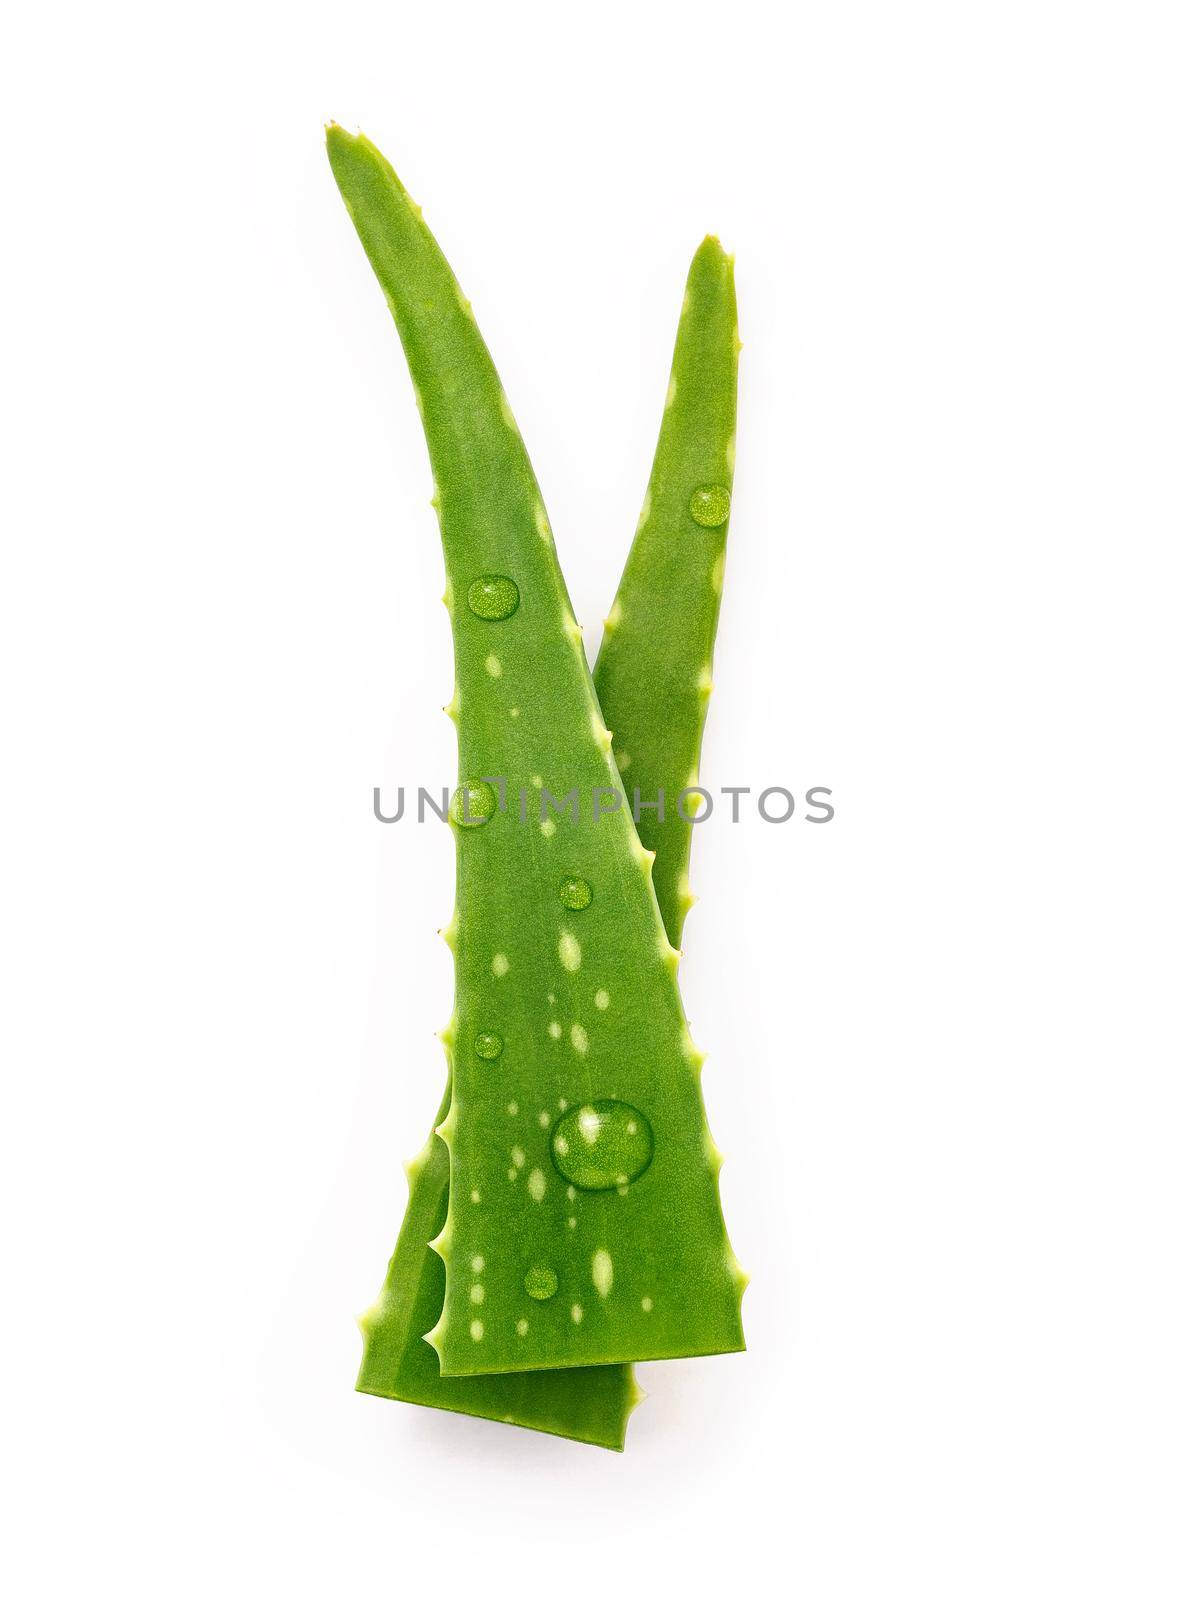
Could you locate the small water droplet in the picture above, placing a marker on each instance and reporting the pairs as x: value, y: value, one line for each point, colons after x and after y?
x: 709, y: 505
x: 488, y: 1045
x: 493, y: 597
x: 602, y: 1145
x: 541, y: 1283
x: 473, y: 804
x: 575, y: 893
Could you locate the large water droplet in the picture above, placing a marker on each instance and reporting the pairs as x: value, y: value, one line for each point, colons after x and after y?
x: 493, y: 598
x: 488, y: 1045
x: 709, y: 505
x: 575, y: 893
x: 604, y: 1144
x: 541, y: 1283
x: 472, y: 804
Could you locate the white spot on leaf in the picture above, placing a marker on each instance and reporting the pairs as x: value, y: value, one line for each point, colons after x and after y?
x: 602, y: 1273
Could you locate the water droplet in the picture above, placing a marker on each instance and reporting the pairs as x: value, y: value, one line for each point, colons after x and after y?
x: 575, y: 893
x: 493, y: 597
x: 602, y: 1145
x: 541, y: 1283
x: 488, y: 1045
x: 473, y: 804
x: 709, y: 506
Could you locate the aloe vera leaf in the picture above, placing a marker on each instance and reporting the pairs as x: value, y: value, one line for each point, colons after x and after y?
x: 654, y: 681
x: 564, y: 1244
x: 591, y: 1404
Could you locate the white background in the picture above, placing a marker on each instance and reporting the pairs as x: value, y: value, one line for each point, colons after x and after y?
x: 952, y: 1034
